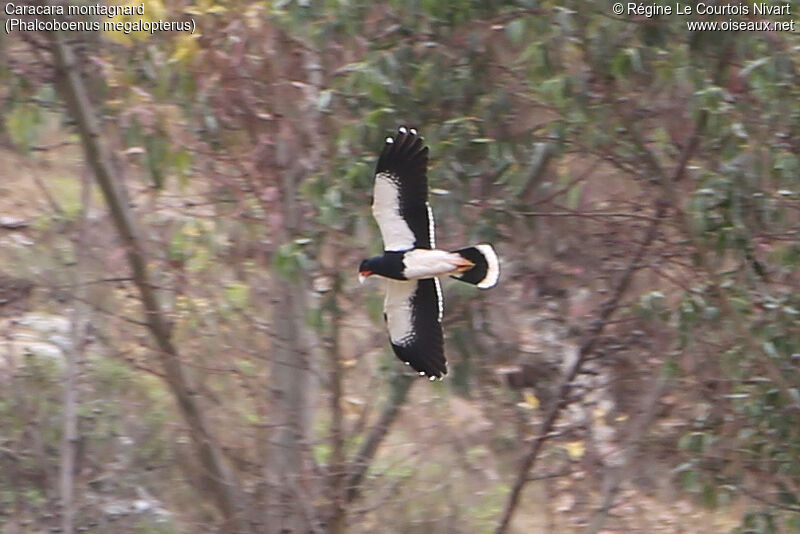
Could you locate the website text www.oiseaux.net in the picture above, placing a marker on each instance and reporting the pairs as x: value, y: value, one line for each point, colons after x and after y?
x: 764, y: 11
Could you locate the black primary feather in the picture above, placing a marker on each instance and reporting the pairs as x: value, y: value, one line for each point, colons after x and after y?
x: 406, y: 160
x: 424, y: 352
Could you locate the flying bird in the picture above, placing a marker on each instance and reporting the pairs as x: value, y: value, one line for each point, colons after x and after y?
x: 411, y: 262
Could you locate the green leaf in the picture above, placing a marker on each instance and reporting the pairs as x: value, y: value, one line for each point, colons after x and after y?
x: 182, y: 163
x: 324, y: 100
x: 285, y: 263
x: 237, y: 295
x: 374, y: 303
x: 22, y: 124
x: 574, y: 196
x: 314, y: 319
x: 515, y: 30
x: 156, y: 153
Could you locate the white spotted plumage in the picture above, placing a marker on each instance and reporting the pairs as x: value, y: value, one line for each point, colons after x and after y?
x: 439, y: 298
x: 431, y: 225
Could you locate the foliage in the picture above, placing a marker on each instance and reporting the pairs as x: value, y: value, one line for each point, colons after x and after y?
x: 556, y: 131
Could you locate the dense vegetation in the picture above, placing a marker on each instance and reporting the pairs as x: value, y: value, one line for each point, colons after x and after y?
x: 184, y: 345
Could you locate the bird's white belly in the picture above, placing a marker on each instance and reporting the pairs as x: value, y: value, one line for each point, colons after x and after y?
x: 427, y: 263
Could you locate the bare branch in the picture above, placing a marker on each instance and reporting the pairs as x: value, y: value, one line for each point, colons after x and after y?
x: 400, y: 386
x: 583, y: 214
x: 607, y: 309
x: 74, y: 356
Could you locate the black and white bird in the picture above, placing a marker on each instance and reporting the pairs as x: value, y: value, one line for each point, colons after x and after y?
x: 411, y: 262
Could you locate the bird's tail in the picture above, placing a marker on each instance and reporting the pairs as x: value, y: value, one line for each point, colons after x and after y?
x: 485, y: 270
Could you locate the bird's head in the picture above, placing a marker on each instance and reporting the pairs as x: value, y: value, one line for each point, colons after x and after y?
x: 364, y: 270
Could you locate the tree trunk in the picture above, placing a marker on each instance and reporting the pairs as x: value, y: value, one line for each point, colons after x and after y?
x: 218, y: 480
x: 337, y: 467
x: 289, y: 460
x: 291, y: 505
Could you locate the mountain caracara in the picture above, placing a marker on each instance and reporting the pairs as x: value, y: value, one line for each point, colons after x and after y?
x: 411, y: 263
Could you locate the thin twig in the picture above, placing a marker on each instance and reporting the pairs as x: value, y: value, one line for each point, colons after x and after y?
x: 74, y: 355
x: 583, y: 214
x: 91, y: 282
x: 55, y: 206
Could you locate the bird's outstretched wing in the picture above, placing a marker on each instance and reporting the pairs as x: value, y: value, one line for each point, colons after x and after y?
x: 400, y: 200
x: 413, y: 312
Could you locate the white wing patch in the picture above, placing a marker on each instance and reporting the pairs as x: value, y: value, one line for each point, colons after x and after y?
x: 386, y: 209
x: 399, y: 314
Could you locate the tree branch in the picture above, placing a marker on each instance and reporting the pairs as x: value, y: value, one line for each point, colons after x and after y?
x: 561, y: 400
x: 363, y: 458
x: 74, y: 355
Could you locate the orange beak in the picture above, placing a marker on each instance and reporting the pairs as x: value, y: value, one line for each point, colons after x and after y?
x: 363, y: 276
